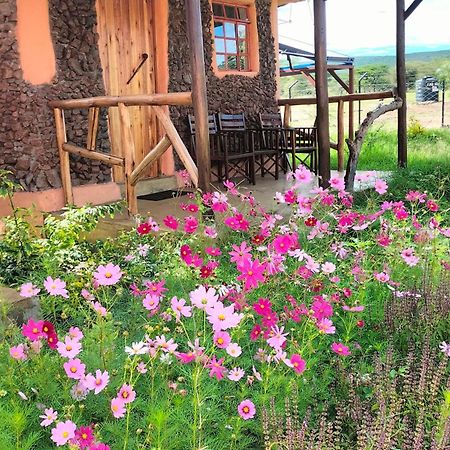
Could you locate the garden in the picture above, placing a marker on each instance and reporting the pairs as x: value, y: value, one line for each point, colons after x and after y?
x: 235, y: 327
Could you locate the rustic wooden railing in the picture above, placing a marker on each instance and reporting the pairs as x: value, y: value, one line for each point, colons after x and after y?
x: 340, y: 100
x: 132, y: 172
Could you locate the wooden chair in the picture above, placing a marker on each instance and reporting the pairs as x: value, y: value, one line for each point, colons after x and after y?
x: 297, y: 144
x: 266, y: 158
x: 231, y: 152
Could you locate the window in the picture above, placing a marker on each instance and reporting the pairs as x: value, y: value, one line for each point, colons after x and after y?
x: 231, y: 36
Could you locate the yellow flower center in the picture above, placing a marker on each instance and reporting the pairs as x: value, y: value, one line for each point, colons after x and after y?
x: 250, y: 273
x: 246, y: 409
x: 84, y: 436
x: 35, y: 330
x: 115, y: 408
x: 220, y: 341
x: 221, y: 317
x: 65, y: 434
x: 98, y: 382
x: 73, y: 369
x: 125, y: 394
x: 68, y: 348
x: 108, y: 275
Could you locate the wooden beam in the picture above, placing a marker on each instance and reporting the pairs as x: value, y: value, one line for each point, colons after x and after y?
x: 412, y: 8
x: 351, y: 108
x: 337, y: 98
x: 93, y: 116
x: 149, y: 159
x: 402, y: 125
x: 341, y: 82
x: 341, y: 136
x: 323, y: 122
x: 171, y: 98
x: 309, y: 78
x: 177, y: 143
x: 96, y: 156
x: 287, y: 116
x: 129, y: 155
x: 64, y: 161
x: 199, y: 95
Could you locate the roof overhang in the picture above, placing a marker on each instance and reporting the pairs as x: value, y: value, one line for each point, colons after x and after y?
x: 286, y: 2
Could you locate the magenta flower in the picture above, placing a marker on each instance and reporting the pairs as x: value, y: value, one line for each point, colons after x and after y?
x: 263, y: 307
x: 203, y: 298
x: 186, y: 358
x: 48, y: 417
x: 118, y: 407
x: 100, y: 446
x: 217, y: 369
x: 18, y: 352
x: 108, y: 275
x: 126, y: 394
x: 56, y: 287
x: 213, y: 251
x: 63, y: 432
x: 179, y: 307
x: 190, y: 224
x: 340, y: 349
x: 282, y: 243
x: 98, y: 382
x: 156, y: 288
x: 221, y: 339
x: 74, y: 369
x: 247, y: 409
x: 33, y: 330
x: 69, y: 348
x: 256, y: 332
x: 240, y: 254
x: 28, y: 290
x: 321, y: 308
x: 84, y: 437
x: 382, y: 277
x: 170, y: 222
x: 252, y: 273
x: 298, y: 363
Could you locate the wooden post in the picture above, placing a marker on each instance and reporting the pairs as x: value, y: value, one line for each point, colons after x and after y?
x: 341, y: 137
x: 128, y: 154
x: 402, y: 131
x: 287, y: 116
x: 64, y: 161
x: 199, y: 95
x: 351, y: 111
x: 93, y: 116
x: 323, y: 121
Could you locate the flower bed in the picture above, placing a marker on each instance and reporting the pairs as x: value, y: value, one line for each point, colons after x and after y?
x: 186, y: 338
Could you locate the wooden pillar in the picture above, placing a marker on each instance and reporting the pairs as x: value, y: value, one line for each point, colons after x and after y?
x: 323, y: 125
x: 61, y: 139
x: 351, y: 111
x: 341, y: 137
x: 199, y: 95
x: 402, y: 130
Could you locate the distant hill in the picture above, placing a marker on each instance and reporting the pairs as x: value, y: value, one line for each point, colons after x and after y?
x: 390, y: 59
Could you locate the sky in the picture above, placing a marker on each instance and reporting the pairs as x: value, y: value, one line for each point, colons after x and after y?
x: 359, y: 27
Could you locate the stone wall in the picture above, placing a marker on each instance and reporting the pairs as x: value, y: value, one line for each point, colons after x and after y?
x: 232, y: 93
x: 27, y: 132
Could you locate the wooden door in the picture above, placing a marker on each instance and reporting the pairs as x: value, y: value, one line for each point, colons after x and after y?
x: 126, y: 40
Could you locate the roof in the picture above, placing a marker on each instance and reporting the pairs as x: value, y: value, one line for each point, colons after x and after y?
x: 286, y: 2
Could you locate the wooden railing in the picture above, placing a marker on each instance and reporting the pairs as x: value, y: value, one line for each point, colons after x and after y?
x: 340, y: 100
x: 132, y: 172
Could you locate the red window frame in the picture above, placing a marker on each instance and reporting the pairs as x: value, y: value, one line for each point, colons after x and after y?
x: 241, y: 44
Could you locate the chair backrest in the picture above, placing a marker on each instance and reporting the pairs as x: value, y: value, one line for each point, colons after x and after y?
x: 231, y: 122
x: 212, y: 124
x: 267, y: 120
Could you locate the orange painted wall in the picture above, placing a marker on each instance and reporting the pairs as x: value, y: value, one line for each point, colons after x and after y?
x: 37, y: 56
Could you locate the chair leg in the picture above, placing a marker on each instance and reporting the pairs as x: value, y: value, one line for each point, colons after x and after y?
x: 277, y: 166
x: 227, y: 172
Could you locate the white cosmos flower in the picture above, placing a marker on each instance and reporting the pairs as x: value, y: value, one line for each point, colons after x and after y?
x: 137, y: 348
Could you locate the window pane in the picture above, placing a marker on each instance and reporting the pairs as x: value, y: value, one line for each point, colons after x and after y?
x: 230, y: 30
x: 243, y: 63
x: 230, y: 12
x: 220, y: 45
x: 242, y: 12
x: 231, y: 46
x: 218, y: 29
x: 242, y: 46
x: 242, y: 31
x: 220, y: 61
x: 218, y: 10
x: 231, y: 62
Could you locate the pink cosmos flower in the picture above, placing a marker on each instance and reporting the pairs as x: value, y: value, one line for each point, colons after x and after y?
x: 321, y: 308
x: 337, y: 183
x: 298, y: 363
x: 213, y: 251
x: 302, y: 175
x: 69, y: 348
x: 444, y: 348
x: 48, y: 417
x: 28, y: 290
x: 356, y: 308
x: 166, y: 346
x: 156, y: 288
x: 210, y: 231
x: 340, y: 349
x: 84, y: 437
x: 150, y: 302
x: 282, y: 243
x: 241, y: 253
x: 223, y: 317
x: 190, y: 224
x: 63, y: 432
x: 56, y: 287
x: 432, y: 206
x: 256, y: 332
x: 186, y: 358
x: 252, y: 273
x: 381, y: 187
x: 221, y: 339
x: 180, y: 308
x: 236, y: 374
x: 328, y: 267
x: 216, y: 368
x: 409, y: 257
x: 99, y: 308
x: 234, y: 350
x: 203, y: 298
x: 186, y: 254
x: 33, y: 330
x: 118, y: 407
x: 108, y: 275
x: 98, y: 382
x: 278, y: 338
x: 74, y: 369
x: 263, y: 307
x: 18, y: 352
x: 126, y: 393
x: 383, y: 240
x: 171, y: 222
x: 75, y: 333
x: 100, y: 446
x: 383, y: 277
x: 246, y: 409
x: 87, y: 295
x: 326, y: 326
